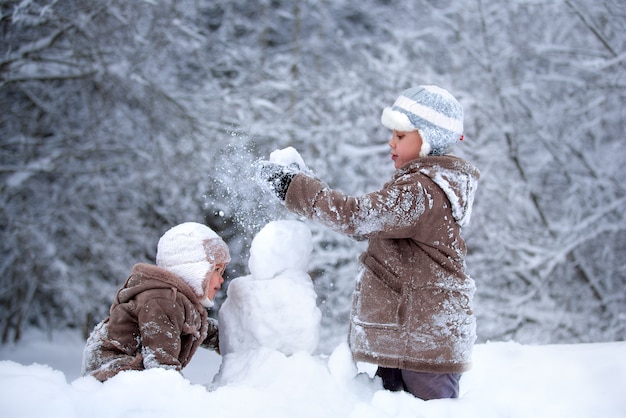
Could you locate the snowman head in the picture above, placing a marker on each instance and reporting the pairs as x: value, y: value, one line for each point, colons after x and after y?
x: 280, y: 246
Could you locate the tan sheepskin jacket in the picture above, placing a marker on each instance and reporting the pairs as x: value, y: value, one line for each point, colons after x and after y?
x: 412, y: 305
x: 156, y: 320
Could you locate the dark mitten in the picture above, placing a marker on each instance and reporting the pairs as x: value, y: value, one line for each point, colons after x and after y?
x: 212, y: 340
x: 276, y: 176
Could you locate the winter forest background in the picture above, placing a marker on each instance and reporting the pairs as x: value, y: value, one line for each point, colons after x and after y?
x: 120, y: 119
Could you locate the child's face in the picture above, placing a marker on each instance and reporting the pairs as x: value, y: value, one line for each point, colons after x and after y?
x: 214, y: 281
x: 405, y: 147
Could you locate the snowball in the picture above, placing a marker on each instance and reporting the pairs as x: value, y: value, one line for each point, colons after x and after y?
x: 340, y: 363
x: 288, y: 156
x: 281, y: 314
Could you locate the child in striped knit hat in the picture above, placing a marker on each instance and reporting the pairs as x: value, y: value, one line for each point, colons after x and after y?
x: 412, y: 311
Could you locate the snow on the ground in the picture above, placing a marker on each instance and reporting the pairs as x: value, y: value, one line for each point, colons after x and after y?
x: 271, y: 327
x: 39, y: 377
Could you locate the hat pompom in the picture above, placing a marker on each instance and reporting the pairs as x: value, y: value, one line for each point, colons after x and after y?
x: 191, y: 250
x: 432, y: 111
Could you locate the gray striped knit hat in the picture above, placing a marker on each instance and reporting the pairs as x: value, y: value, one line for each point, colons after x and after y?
x: 430, y: 110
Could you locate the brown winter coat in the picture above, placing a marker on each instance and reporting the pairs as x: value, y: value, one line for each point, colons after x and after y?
x: 156, y: 320
x: 412, y: 305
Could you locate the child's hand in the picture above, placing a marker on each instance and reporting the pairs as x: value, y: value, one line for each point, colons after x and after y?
x: 275, y: 176
x: 212, y: 340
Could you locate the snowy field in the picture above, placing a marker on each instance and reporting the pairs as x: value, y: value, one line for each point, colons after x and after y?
x: 269, y: 329
x: 40, y: 378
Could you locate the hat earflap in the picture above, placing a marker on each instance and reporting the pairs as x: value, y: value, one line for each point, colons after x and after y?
x: 426, y: 148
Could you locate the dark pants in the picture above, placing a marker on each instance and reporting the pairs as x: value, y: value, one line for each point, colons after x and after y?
x: 425, y: 386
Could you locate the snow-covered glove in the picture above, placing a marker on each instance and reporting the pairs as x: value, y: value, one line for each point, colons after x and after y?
x: 212, y: 340
x: 277, y: 177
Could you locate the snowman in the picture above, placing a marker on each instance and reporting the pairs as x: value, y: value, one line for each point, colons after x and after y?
x: 274, y: 307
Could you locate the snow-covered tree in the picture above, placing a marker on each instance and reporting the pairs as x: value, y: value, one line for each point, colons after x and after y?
x: 122, y: 118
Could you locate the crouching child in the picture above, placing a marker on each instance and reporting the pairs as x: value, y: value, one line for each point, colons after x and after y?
x: 159, y: 316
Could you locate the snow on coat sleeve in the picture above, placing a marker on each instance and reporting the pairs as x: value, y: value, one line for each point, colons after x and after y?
x: 390, y: 212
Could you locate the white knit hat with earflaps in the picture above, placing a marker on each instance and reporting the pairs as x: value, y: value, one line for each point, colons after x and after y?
x: 430, y: 110
x: 191, y: 250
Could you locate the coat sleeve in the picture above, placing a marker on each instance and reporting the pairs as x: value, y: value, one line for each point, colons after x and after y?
x: 161, y: 324
x: 391, y: 212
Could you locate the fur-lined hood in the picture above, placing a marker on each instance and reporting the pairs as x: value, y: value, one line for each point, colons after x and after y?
x: 149, y: 277
x: 456, y: 177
